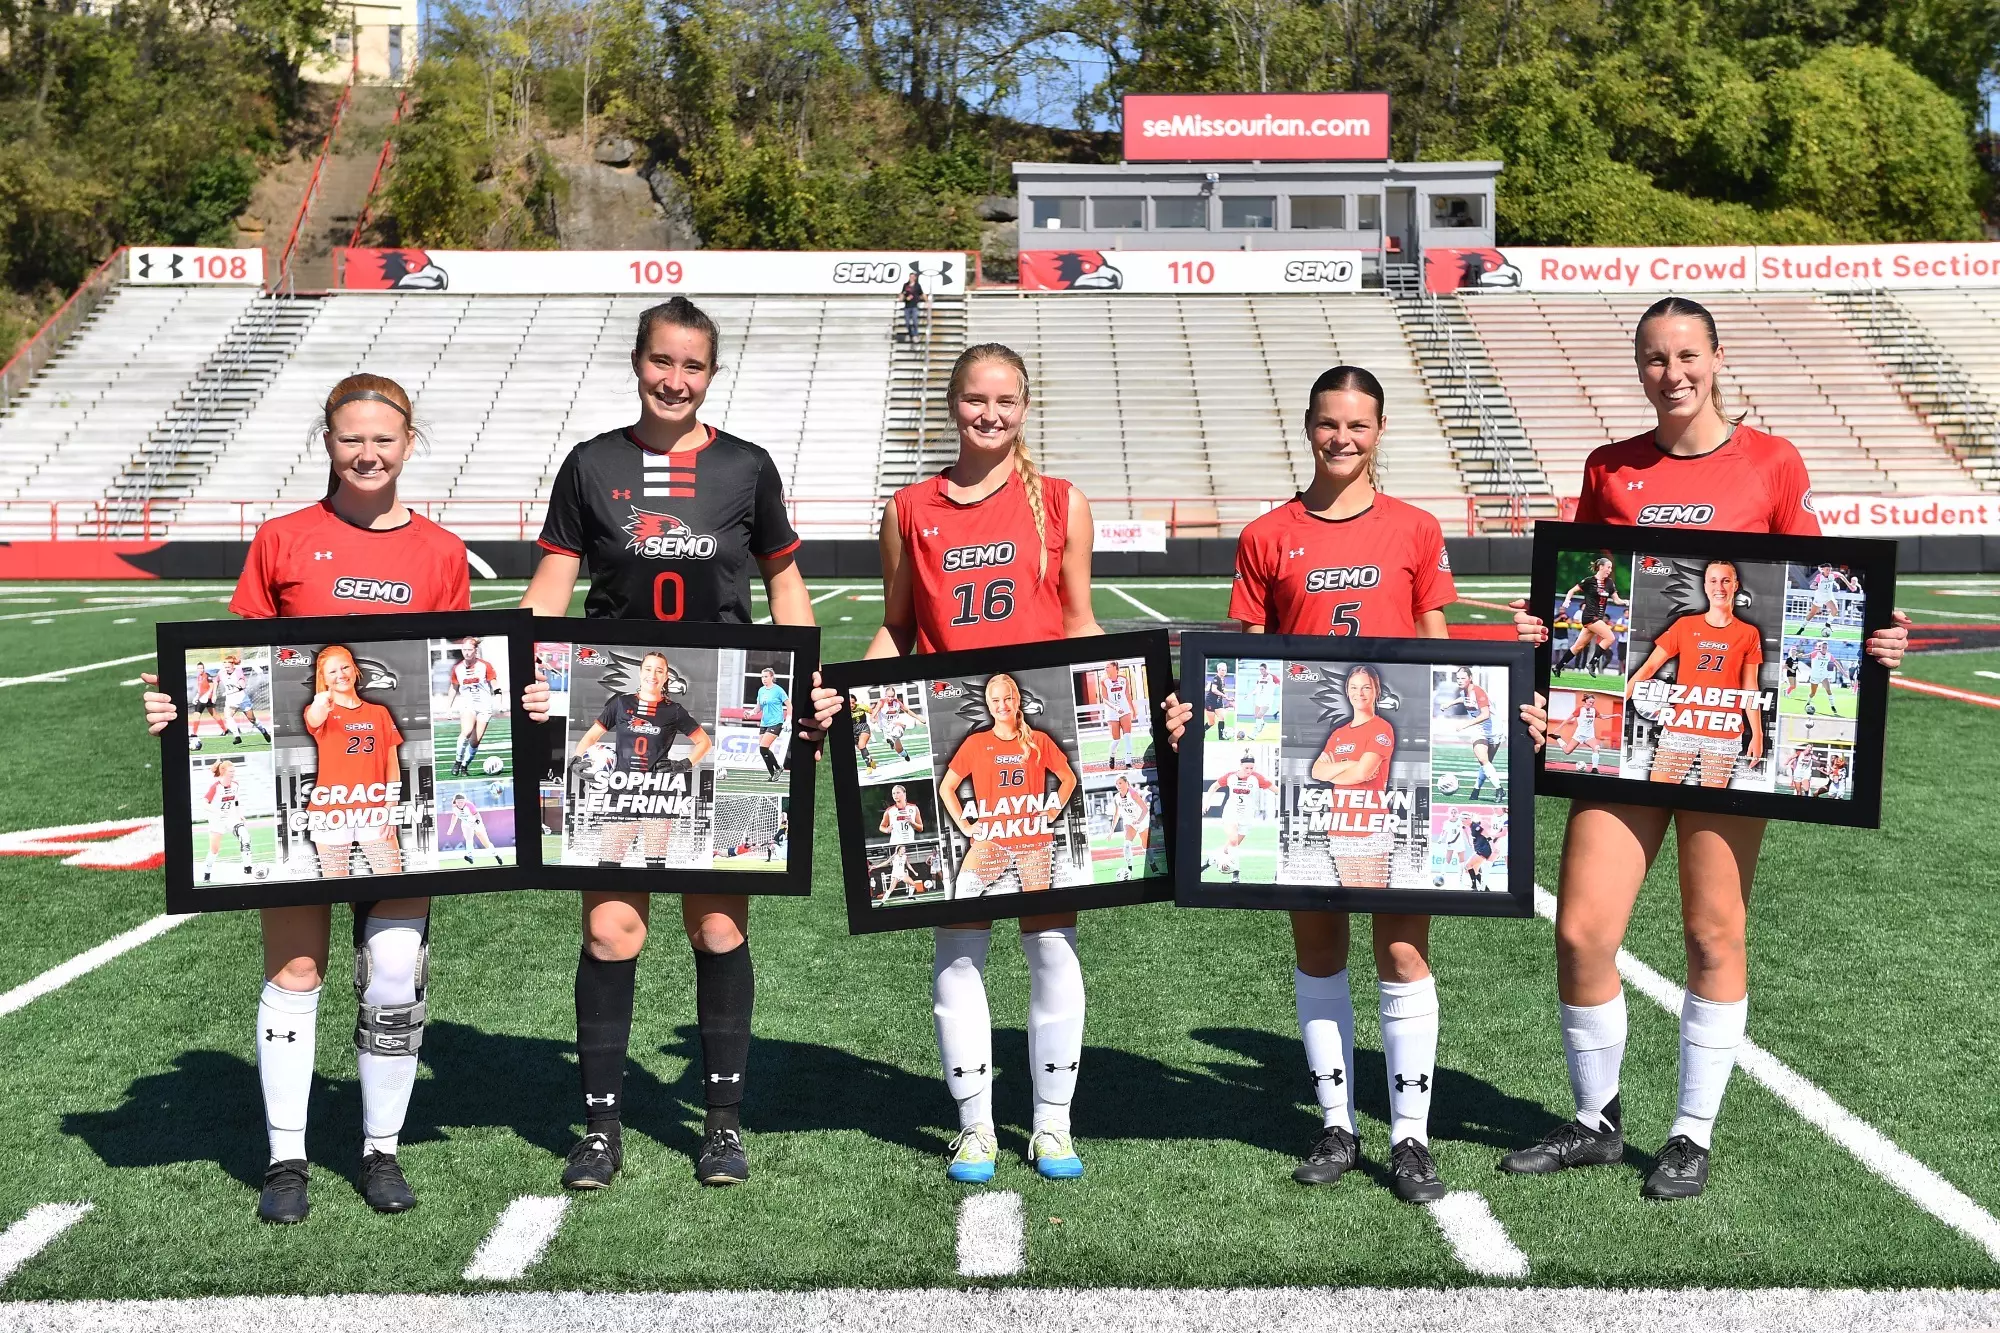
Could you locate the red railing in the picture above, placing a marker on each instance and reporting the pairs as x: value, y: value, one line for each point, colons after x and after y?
x: 278, y: 279
x: 381, y: 162
x: 521, y: 520
x: 33, y: 354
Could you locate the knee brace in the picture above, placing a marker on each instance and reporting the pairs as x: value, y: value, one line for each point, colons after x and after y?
x: 389, y: 1029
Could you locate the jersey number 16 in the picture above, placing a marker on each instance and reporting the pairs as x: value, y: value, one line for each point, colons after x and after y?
x: 999, y: 603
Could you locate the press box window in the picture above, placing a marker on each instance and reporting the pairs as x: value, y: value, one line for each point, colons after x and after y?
x: 1319, y: 212
x: 1180, y: 212
x: 1118, y: 213
x: 1059, y: 214
x: 1249, y: 212
x: 1455, y: 210
x: 1368, y: 212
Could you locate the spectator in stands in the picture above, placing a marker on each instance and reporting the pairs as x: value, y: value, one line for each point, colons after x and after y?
x: 1695, y: 461
x: 913, y: 302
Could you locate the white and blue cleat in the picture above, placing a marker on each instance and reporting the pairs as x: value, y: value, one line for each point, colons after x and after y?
x: 1054, y: 1155
x: 973, y: 1155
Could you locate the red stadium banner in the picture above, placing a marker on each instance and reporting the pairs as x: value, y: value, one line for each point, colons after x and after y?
x: 1169, y: 271
x: 694, y: 272
x: 1714, y: 268
x: 1256, y: 127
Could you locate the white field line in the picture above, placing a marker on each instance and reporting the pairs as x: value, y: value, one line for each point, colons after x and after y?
x: 510, y: 599
x: 120, y: 605
x: 88, y: 961
x: 1869, y: 1146
x: 59, y: 676
x: 1476, y: 1236
x: 479, y: 566
x: 525, y: 1228
x: 830, y: 592
x: 1011, y: 1309
x: 32, y: 1234
x: 1950, y: 611
x: 1990, y: 675
x: 1941, y: 691
x: 991, y: 1235
x: 1112, y: 587
x: 62, y: 586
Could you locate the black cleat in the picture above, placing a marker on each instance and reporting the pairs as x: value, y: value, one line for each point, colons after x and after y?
x: 382, y: 1183
x: 283, y: 1200
x: 1413, y: 1176
x: 593, y: 1161
x: 722, y: 1159
x: 1680, y: 1173
x: 1333, y: 1154
x: 1570, y: 1144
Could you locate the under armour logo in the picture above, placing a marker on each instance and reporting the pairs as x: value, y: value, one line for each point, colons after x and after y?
x: 928, y: 532
x: 1293, y: 554
x: 1052, y: 1068
x: 1422, y: 1083
x: 272, y: 1035
x: 725, y: 1078
x: 1337, y: 1077
x: 617, y: 494
x: 1635, y: 485
x: 957, y: 1072
x: 608, y: 1099
x: 322, y: 555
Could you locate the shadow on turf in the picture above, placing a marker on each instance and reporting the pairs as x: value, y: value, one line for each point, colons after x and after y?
x: 208, y: 1108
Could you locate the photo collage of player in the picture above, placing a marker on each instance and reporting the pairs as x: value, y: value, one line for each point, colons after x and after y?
x: 1355, y: 775
x: 333, y: 760
x: 1007, y: 782
x: 1737, y: 674
x: 667, y: 757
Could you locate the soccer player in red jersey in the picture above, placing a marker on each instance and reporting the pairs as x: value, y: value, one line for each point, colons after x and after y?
x: 1695, y: 468
x: 675, y: 516
x: 990, y: 552
x: 359, y: 550
x: 1343, y: 559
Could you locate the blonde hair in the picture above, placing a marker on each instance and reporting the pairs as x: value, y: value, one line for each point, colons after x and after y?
x: 371, y: 388
x: 1024, y: 462
x: 1029, y: 740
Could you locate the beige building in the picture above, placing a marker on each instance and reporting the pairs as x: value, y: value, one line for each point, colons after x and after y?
x: 379, y: 41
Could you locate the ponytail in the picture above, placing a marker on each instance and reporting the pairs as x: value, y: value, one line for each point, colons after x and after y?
x: 1024, y: 461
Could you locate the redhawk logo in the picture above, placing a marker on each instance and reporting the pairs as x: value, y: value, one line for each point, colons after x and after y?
x: 1444, y: 559
x: 589, y: 657
x: 1652, y: 564
x: 944, y: 689
x: 1300, y: 671
x: 664, y: 537
x: 1676, y: 515
x: 978, y: 557
x: 372, y: 590
x: 291, y: 657
x: 1341, y: 579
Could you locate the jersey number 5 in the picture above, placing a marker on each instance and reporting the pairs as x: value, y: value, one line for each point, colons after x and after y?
x: 1345, y: 622
x: 999, y: 603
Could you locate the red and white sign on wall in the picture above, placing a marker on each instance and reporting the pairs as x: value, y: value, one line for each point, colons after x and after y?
x: 1719, y: 268
x: 695, y: 272
x: 1154, y: 271
x: 1256, y: 127
x: 193, y: 266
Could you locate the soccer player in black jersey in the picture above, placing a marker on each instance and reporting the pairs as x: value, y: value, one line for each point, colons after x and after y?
x: 643, y: 726
x: 673, y: 516
x: 1598, y: 591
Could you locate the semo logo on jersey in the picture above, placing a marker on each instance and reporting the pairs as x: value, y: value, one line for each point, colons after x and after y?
x: 978, y: 557
x: 664, y: 537
x: 372, y: 590
x: 1676, y: 515
x: 1342, y: 579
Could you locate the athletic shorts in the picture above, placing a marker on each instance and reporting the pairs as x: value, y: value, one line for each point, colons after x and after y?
x: 235, y: 824
x: 1137, y: 825
x: 479, y: 704
x: 241, y: 703
x: 1586, y: 735
x: 1592, y: 617
x: 1482, y: 849
x: 1821, y: 676
x: 1214, y: 702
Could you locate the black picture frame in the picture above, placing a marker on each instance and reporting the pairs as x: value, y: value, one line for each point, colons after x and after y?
x: 1513, y: 662
x: 412, y: 636
x: 1789, y: 730
x: 795, y: 793
x: 926, y: 672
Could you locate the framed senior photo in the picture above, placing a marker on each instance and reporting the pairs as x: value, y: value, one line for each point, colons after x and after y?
x: 1714, y: 670
x: 667, y: 763
x: 1371, y: 775
x: 1003, y: 781
x: 313, y: 759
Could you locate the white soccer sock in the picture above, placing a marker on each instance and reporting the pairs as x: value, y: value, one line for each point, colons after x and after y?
x: 1594, y: 1045
x: 394, y: 946
x: 1409, y: 1050
x: 1055, y: 1022
x: 964, y: 1024
x: 1326, y: 1025
x: 1710, y: 1033
x: 287, y: 1028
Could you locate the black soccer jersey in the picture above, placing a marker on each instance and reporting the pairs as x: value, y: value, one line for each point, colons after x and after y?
x: 669, y: 536
x: 644, y: 733
x: 1596, y: 593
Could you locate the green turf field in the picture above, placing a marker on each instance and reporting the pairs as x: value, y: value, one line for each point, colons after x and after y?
x: 496, y: 743
x: 134, y: 1087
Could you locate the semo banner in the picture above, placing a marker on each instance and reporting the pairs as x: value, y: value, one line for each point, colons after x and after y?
x: 1720, y: 268
x: 1169, y: 271
x: 695, y: 272
x: 1907, y: 515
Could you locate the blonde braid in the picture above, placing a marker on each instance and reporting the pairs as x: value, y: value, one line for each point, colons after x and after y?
x: 1031, y: 481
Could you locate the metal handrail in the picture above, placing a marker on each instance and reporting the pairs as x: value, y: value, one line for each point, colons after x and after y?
x: 284, y: 276
x: 381, y: 162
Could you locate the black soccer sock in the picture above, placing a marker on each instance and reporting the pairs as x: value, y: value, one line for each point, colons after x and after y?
x: 770, y: 760
x: 603, y: 1031
x: 725, y: 989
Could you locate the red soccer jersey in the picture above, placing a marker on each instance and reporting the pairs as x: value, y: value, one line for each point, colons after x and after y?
x: 1361, y: 809
x: 312, y: 562
x: 1010, y: 785
x: 474, y: 677
x: 1752, y: 482
x: 357, y: 759
x: 1706, y: 697
x: 1372, y: 574
x: 975, y: 571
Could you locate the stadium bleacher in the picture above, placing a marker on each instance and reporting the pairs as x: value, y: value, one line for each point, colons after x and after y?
x: 1793, y: 366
